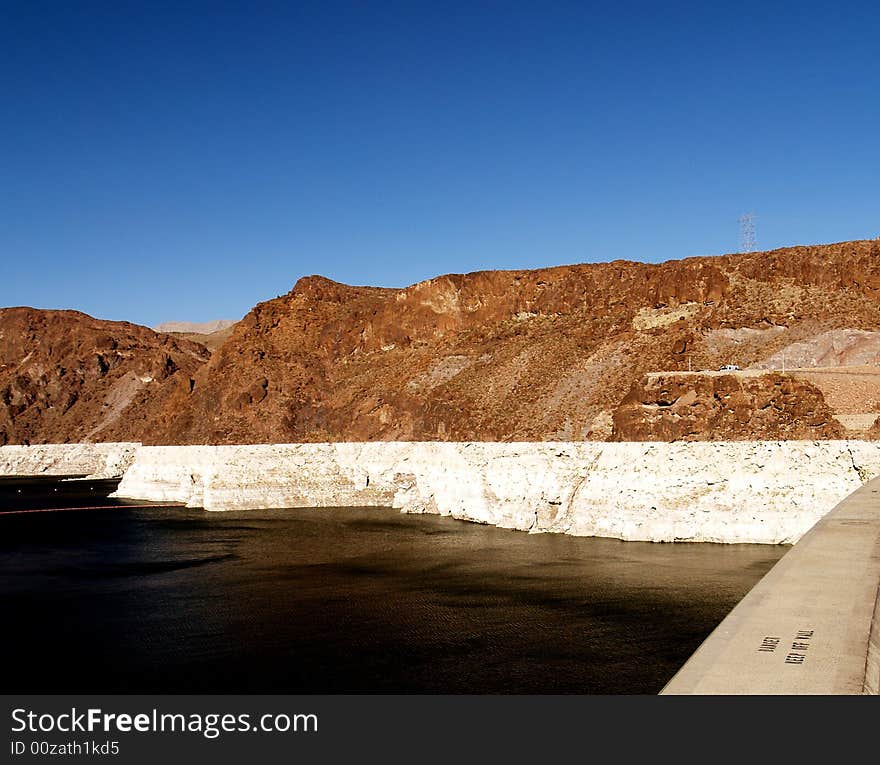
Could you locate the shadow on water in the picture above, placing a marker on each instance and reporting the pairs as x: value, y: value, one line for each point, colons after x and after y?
x: 107, y: 570
x: 348, y: 600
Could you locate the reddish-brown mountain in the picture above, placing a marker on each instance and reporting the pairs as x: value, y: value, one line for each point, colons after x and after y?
x: 509, y: 355
x: 65, y: 376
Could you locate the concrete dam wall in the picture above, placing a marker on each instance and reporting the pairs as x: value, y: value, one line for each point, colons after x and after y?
x: 812, y: 624
x: 759, y: 492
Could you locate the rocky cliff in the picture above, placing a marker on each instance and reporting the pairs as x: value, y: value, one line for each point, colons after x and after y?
x: 65, y: 376
x: 548, y: 354
x: 513, y: 355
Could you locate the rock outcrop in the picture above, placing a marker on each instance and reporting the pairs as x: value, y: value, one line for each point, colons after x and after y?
x: 717, y: 406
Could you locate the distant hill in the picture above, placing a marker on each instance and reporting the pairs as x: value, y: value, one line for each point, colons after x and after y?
x: 550, y: 354
x: 194, y: 328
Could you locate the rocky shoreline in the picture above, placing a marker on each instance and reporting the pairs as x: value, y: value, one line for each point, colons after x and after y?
x: 768, y: 492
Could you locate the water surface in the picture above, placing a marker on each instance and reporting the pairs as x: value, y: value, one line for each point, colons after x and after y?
x: 349, y: 601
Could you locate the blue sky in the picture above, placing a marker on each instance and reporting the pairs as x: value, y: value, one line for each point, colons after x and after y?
x: 185, y: 160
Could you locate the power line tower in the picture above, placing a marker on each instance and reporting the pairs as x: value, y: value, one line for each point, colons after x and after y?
x: 747, y: 233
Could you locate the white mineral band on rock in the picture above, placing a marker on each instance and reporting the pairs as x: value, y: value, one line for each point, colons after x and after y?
x: 766, y: 492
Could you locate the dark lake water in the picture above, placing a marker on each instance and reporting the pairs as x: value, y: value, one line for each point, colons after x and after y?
x: 347, y: 601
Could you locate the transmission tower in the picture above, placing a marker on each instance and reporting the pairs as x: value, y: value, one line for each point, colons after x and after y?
x: 747, y: 233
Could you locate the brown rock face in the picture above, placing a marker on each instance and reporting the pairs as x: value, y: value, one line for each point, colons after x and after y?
x: 547, y: 354
x: 500, y: 355
x: 65, y: 376
x: 723, y: 407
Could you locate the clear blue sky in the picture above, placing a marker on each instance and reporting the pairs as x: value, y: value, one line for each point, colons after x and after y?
x: 183, y: 160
